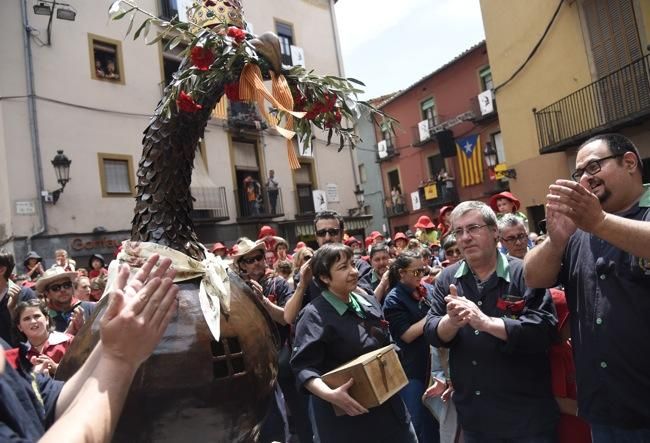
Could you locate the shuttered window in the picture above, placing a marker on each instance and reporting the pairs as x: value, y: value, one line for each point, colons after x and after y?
x: 245, y: 156
x: 116, y: 175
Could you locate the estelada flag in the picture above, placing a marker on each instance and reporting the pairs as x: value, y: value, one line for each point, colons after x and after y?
x: 470, y: 160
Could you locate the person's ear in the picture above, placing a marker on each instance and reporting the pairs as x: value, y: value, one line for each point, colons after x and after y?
x: 325, y: 279
x: 630, y: 161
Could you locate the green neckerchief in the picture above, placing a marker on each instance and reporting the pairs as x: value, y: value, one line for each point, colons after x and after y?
x: 645, y: 198
x: 374, y: 277
x: 354, y: 304
x: 503, y: 268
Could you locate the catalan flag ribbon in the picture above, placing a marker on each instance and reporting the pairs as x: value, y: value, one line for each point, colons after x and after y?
x: 470, y: 160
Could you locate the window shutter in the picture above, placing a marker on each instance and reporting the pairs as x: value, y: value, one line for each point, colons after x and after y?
x: 116, y: 173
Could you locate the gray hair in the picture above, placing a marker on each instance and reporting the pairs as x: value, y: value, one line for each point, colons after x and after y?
x: 489, y: 218
x: 510, y: 221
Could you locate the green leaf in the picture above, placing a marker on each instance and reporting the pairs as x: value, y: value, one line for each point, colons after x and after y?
x: 329, y: 136
x: 114, y: 9
x: 122, y: 14
x: 140, y: 29
x: 354, y: 80
x: 128, y: 29
x: 175, y: 42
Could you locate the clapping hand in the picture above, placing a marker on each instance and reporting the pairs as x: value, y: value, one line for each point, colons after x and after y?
x: 462, y: 311
x: 139, y: 311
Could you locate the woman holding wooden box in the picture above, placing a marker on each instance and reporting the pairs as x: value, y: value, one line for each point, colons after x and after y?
x: 332, y: 330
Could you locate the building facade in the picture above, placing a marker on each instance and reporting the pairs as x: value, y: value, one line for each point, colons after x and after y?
x: 81, y: 87
x: 437, y: 117
x: 588, y: 74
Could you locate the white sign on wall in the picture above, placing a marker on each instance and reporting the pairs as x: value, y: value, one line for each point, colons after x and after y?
x: 25, y: 207
x: 486, y: 102
x: 382, y: 149
x: 320, y: 200
x: 423, y: 129
x: 297, y: 56
x: 332, y: 193
x: 415, y: 200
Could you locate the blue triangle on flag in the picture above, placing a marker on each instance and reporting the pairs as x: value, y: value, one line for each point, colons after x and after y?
x: 467, y: 144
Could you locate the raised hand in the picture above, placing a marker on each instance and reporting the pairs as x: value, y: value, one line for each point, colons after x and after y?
x: 76, y: 322
x: 139, y: 311
x: 573, y: 201
x: 343, y: 400
x: 436, y: 389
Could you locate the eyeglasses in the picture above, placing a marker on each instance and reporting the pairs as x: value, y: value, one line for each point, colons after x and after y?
x: 515, y: 238
x: 592, y: 168
x: 251, y: 260
x: 417, y: 272
x: 333, y: 232
x: 472, y: 230
x: 455, y: 252
x: 57, y: 287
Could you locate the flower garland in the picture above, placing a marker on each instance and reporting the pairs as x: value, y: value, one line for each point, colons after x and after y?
x: 219, y: 55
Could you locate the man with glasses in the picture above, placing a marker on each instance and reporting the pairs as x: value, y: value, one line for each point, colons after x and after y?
x: 328, y: 226
x: 513, y: 235
x: 57, y: 285
x: 498, y: 332
x: 598, y: 246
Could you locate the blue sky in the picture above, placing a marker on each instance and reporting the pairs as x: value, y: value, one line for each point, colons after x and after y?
x: 390, y: 44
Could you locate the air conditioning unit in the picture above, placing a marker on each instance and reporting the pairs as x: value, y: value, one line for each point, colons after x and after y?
x: 423, y: 129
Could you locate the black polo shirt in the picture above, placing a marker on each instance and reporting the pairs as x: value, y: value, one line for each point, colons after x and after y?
x: 502, y: 389
x: 608, y: 293
x: 279, y: 291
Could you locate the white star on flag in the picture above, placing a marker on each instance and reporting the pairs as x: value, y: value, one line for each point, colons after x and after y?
x: 468, y: 148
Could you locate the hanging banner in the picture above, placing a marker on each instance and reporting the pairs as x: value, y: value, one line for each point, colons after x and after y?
x: 430, y: 191
x: 415, y: 200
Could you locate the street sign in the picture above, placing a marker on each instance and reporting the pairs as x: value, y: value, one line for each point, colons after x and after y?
x: 25, y: 207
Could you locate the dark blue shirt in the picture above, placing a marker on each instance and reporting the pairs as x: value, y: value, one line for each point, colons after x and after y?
x: 608, y: 294
x: 281, y: 291
x: 23, y: 416
x: 402, y: 311
x: 61, y: 319
x: 501, y: 388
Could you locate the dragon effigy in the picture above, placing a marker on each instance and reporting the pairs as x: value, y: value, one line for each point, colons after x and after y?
x: 212, y: 375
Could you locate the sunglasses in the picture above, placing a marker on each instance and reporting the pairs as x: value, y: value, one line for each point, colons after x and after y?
x: 59, y: 286
x: 418, y: 272
x: 333, y: 232
x: 251, y: 260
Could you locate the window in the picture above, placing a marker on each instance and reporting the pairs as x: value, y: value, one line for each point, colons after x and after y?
x: 105, y: 59
x: 428, y: 111
x: 227, y: 358
x: 116, y: 175
x: 168, y: 9
x: 388, y: 136
x: 171, y: 61
x: 363, y: 176
x: 486, y: 79
x: 304, y: 180
x: 497, y: 142
x: 285, y: 34
x: 436, y: 163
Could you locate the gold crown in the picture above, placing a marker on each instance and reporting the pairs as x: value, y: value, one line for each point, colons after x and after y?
x: 213, y: 12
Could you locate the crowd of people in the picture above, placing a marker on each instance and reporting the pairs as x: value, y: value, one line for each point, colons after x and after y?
x: 504, y: 335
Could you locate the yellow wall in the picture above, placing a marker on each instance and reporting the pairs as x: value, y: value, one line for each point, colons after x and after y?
x: 559, y: 67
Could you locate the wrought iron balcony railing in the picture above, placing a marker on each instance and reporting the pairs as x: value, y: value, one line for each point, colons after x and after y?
x: 606, y: 104
x: 264, y: 203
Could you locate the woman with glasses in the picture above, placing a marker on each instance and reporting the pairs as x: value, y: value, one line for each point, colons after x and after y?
x: 41, y: 348
x: 451, y: 249
x: 406, y: 308
x: 332, y: 330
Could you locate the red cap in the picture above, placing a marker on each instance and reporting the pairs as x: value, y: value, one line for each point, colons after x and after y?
x: 507, y: 195
x: 352, y: 240
x: 218, y: 246
x: 299, y: 246
x: 424, y: 222
x: 445, y: 209
x: 265, y: 231
x: 375, y: 234
x: 368, y: 241
x: 400, y: 236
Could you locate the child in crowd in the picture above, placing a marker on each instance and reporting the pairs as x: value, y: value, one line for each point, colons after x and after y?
x: 506, y: 203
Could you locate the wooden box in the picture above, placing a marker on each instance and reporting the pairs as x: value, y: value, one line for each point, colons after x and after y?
x: 378, y: 375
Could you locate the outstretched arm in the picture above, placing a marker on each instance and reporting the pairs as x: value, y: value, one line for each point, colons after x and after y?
x: 142, y: 308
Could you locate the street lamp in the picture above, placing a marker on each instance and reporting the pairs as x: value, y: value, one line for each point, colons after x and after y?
x: 491, y: 157
x: 61, y: 165
x: 64, y: 11
x: 361, y: 198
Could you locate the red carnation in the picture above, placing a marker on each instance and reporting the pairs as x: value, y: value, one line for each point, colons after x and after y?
x: 202, y: 58
x: 185, y: 103
x: 238, y: 34
x: 338, y: 116
x: 232, y: 91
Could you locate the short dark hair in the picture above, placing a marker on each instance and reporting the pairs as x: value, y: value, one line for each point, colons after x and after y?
x: 448, y: 241
x: 379, y: 247
x: 327, y: 256
x: 401, y: 262
x: 22, y: 306
x: 618, y: 144
x: 7, y: 260
x: 329, y: 215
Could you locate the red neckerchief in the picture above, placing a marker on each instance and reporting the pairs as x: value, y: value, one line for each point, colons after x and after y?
x: 420, y: 295
x: 511, y: 307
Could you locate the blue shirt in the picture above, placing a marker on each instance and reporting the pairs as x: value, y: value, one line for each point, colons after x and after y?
x: 402, y: 311
x: 608, y: 294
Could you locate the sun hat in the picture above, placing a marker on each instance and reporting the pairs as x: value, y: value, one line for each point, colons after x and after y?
x: 507, y: 195
x: 52, y: 275
x: 30, y: 255
x: 424, y: 222
x: 246, y: 246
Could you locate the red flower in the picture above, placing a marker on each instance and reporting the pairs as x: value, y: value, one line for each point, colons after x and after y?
x: 337, y: 116
x: 185, y: 103
x: 202, y: 58
x: 232, y: 91
x: 238, y: 34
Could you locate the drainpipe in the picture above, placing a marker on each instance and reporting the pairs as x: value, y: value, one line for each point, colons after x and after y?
x: 33, y: 123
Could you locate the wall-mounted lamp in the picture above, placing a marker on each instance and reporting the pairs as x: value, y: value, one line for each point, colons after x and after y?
x: 64, y: 11
x: 61, y: 165
x: 491, y: 157
x: 42, y: 9
x: 361, y: 198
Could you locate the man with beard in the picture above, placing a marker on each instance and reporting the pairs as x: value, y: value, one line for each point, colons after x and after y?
x: 328, y: 226
x: 598, y: 246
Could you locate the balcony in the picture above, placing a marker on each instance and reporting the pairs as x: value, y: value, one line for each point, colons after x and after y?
x: 268, y: 204
x: 210, y: 204
x: 612, y: 102
x: 438, y: 194
x: 386, y: 150
x: 243, y: 117
x: 396, y: 205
